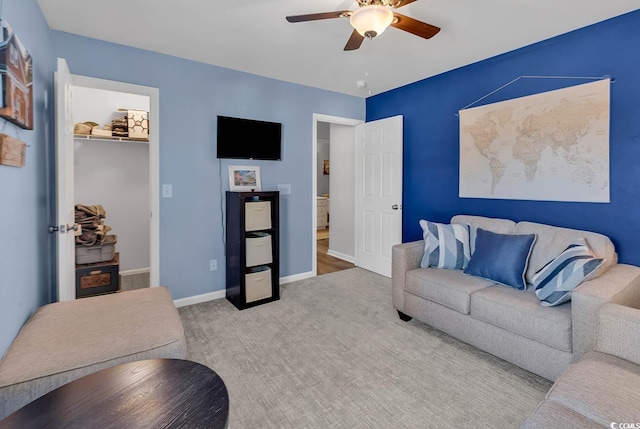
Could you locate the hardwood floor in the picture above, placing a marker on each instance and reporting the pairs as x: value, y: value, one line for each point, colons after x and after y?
x: 323, y: 233
x: 329, y: 264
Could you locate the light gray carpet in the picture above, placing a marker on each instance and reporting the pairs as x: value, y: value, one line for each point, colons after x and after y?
x: 134, y: 281
x: 332, y: 353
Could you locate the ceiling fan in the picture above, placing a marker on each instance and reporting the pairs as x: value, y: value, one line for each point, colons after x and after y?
x: 372, y: 18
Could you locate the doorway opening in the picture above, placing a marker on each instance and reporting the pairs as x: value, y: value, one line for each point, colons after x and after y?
x: 114, y: 175
x: 333, y: 193
x: 90, y: 159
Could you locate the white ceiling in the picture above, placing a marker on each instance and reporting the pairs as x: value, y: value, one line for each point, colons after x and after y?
x: 253, y: 35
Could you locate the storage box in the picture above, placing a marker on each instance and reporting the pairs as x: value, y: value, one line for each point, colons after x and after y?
x: 12, y: 151
x: 97, y: 253
x: 96, y: 279
x: 258, y: 249
x: 138, y: 124
x: 257, y: 215
x: 258, y: 284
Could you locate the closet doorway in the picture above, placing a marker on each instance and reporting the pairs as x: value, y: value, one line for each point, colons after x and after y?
x: 119, y: 174
x: 115, y: 175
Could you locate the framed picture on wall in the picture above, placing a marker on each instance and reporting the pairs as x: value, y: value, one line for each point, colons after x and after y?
x: 16, y: 79
x: 325, y: 166
x: 244, y: 178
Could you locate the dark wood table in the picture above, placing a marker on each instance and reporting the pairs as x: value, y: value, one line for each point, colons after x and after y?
x: 154, y: 393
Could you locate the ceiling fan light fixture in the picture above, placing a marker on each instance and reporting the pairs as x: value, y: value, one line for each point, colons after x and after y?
x: 371, y: 21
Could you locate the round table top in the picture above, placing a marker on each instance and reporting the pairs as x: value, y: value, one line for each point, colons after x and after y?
x: 154, y: 393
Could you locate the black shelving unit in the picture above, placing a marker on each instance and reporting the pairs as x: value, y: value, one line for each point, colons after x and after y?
x: 249, y: 223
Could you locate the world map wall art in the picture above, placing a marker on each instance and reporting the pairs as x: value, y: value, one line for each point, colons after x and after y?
x: 16, y: 74
x: 551, y: 146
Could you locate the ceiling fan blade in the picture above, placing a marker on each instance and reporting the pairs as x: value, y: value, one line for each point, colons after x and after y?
x: 414, y: 26
x: 402, y: 3
x: 354, y: 41
x: 317, y: 16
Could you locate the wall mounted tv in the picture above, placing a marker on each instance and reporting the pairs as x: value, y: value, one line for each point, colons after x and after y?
x: 249, y: 139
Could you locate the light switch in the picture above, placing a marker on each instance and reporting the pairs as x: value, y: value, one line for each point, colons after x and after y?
x: 285, y: 189
x: 167, y: 191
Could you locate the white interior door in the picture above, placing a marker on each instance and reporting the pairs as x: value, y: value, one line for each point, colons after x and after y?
x: 378, y: 196
x: 65, y: 214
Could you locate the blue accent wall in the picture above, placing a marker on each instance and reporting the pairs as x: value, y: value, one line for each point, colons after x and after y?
x: 192, y: 94
x: 431, y: 135
x: 26, y: 251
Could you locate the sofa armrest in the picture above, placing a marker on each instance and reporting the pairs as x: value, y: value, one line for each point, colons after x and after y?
x: 404, y: 257
x: 618, y: 332
x: 620, y: 284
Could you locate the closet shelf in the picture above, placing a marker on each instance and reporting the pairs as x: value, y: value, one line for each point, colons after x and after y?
x: 104, y: 138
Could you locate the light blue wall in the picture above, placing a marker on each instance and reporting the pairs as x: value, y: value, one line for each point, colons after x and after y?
x: 25, y: 279
x: 191, y: 96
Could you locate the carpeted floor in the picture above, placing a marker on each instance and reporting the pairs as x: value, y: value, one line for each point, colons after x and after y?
x: 332, y: 353
x: 134, y: 281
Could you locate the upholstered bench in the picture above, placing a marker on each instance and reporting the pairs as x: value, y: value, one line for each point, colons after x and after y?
x: 67, y: 340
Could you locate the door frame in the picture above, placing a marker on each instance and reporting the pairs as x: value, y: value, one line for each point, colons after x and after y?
x: 317, y: 117
x: 154, y: 158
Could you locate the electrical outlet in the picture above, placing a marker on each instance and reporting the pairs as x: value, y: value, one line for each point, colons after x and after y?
x: 167, y: 191
x: 285, y: 189
x: 213, y: 264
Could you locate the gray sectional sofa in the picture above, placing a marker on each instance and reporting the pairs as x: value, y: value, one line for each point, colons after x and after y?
x: 506, y: 322
x: 602, y: 389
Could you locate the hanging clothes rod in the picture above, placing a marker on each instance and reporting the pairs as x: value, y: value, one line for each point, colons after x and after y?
x: 536, y: 77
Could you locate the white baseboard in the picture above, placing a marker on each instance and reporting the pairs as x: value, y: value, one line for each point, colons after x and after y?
x: 211, y: 296
x: 136, y: 271
x: 296, y: 277
x: 341, y: 256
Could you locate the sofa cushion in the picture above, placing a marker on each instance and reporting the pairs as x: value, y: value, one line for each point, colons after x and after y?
x: 551, y: 240
x: 520, y: 312
x: 553, y: 415
x: 555, y: 281
x: 445, y: 246
x: 501, y: 257
x: 601, y: 387
x: 501, y: 226
x: 450, y: 288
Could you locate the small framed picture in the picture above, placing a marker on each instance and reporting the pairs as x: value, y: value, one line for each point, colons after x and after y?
x: 244, y: 178
x: 16, y: 79
x: 325, y: 166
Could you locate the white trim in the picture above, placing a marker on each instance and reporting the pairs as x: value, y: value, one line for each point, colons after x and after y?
x: 317, y: 117
x: 154, y: 157
x: 136, y: 271
x: 296, y: 277
x: 341, y: 256
x: 211, y: 296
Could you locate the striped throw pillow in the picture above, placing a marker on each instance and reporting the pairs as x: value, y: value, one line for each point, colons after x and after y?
x: 445, y: 246
x: 555, y: 281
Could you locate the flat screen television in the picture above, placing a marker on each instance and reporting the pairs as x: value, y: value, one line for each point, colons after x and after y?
x: 249, y: 139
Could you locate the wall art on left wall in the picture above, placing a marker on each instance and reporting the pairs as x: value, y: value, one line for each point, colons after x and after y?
x: 16, y: 79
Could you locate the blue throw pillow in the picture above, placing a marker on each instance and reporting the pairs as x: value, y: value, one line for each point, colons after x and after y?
x: 502, y: 258
x: 555, y: 281
x: 445, y: 246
